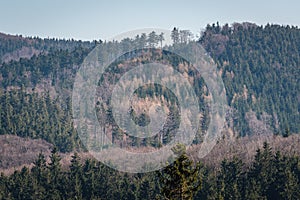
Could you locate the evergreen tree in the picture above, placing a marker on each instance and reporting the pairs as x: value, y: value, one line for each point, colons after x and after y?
x: 181, y: 179
x: 229, y: 180
x: 175, y: 35
x: 55, y: 183
x: 76, y: 177
x: 39, y: 173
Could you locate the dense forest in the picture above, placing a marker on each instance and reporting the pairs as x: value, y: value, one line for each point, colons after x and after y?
x: 260, y: 72
x: 259, y: 65
x: 20, y: 46
x: 30, y: 115
x: 270, y: 176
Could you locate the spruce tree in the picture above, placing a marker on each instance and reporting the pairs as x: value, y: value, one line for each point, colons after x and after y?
x: 182, y: 179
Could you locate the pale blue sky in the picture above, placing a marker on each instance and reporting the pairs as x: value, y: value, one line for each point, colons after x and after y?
x: 102, y: 19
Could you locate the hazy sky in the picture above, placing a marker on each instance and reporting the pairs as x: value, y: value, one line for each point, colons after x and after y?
x: 101, y: 19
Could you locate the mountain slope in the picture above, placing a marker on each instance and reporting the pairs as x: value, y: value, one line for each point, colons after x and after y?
x: 261, y: 70
x: 260, y: 66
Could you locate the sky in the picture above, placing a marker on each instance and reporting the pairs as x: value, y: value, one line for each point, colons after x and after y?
x: 103, y: 19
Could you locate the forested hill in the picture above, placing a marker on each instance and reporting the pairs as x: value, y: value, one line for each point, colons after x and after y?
x: 261, y: 69
x: 14, y: 47
x: 260, y: 66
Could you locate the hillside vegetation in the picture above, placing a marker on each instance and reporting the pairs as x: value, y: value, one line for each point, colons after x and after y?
x: 257, y: 156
